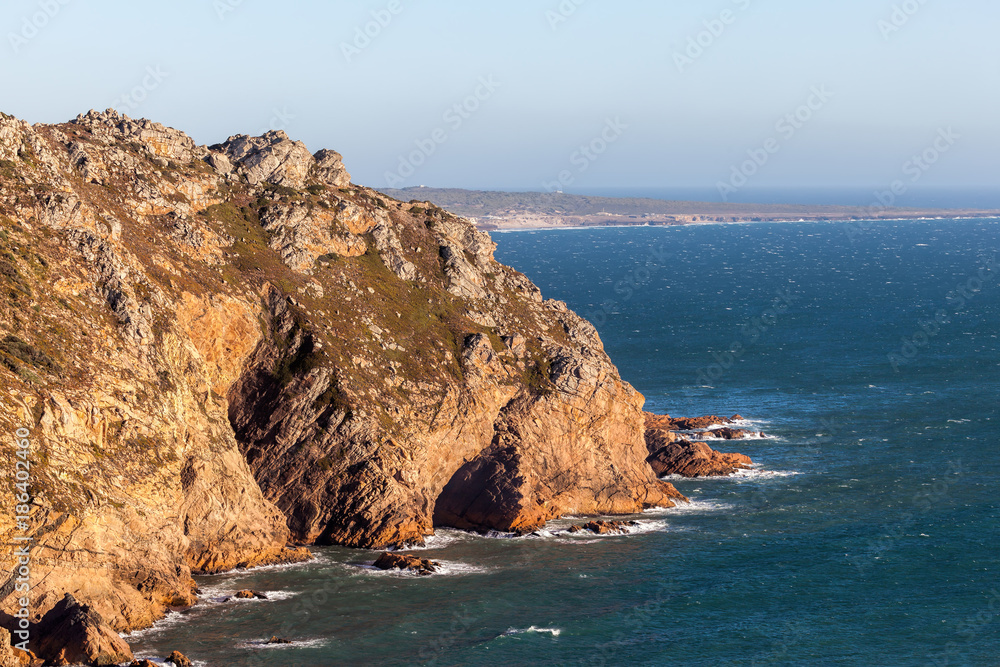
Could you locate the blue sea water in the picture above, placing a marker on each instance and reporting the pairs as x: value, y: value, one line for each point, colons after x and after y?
x: 868, y: 535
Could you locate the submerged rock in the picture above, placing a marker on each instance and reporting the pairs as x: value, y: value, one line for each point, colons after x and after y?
x: 179, y: 659
x: 247, y: 595
x: 605, y: 527
x: 408, y: 562
x: 277, y: 640
x: 724, y: 433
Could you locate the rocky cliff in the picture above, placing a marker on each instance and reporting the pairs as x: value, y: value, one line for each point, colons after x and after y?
x: 221, y: 350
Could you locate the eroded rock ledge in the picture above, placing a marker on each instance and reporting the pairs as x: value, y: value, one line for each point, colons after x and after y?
x: 671, y: 453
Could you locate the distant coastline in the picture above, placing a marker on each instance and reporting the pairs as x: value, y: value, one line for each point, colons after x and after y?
x: 506, y: 211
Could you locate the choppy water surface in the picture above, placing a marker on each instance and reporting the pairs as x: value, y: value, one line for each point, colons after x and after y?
x: 868, y: 535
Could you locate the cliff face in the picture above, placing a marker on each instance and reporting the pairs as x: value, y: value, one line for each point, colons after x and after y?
x: 221, y: 349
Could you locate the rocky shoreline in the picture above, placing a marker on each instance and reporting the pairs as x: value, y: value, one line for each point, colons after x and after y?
x: 225, y: 354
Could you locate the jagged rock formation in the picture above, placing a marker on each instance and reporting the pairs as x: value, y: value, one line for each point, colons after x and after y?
x: 668, y: 423
x: 74, y: 634
x: 692, y: 426
x: 406, y: 562
x: 671, y: 453
x: 605, y: 527
x: 179, y: 659
x: 695, y: 459
x: 218, y: 349
x: 14, y: 657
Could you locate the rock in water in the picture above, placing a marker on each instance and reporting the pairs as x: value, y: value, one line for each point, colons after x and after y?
x: 672, y: 454
x: 695, y: 459
x: 179, y: 659
x: 71, y: 633
x: 408, y: 562
x: 605, y: 527
x: 249, y: 595
x: 724, y: 433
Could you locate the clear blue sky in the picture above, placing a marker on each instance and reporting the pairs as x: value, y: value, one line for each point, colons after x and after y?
x: 229, y: 67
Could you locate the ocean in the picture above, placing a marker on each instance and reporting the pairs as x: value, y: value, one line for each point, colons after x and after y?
x: 868, y: 534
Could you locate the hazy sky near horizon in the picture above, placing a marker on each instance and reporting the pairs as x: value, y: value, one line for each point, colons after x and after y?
x: 621, y: 77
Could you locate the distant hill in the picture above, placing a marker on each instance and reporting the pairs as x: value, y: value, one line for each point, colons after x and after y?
x: 537, y: 209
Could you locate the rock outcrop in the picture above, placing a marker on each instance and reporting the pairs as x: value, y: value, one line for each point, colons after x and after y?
x: 406, y: 562
x: 726, y: 433
x: 671, y: 453
x: 662, y: 430
x: 14, y: 657
x: 695, y: 459
x: 668, y: 423
x: 72, y: 633
x: 179, y: 659
x: 221, y: 350
x: 605, y: 527
x: 246, y: 595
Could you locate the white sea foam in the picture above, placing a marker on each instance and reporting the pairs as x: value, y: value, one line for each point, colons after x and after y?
x: 268, y: 568
x: 171, y: 620
x: 751, y: 435
x: 217, y: 594
x: 442, y: 538
x: 586, y: 537
x: 759, y: 474
x: 693, y: 507
x: 157, y: 660
x: 511, y: 632
x: 279, y: 595
x: 446, y: 568
x: 255, y: 644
